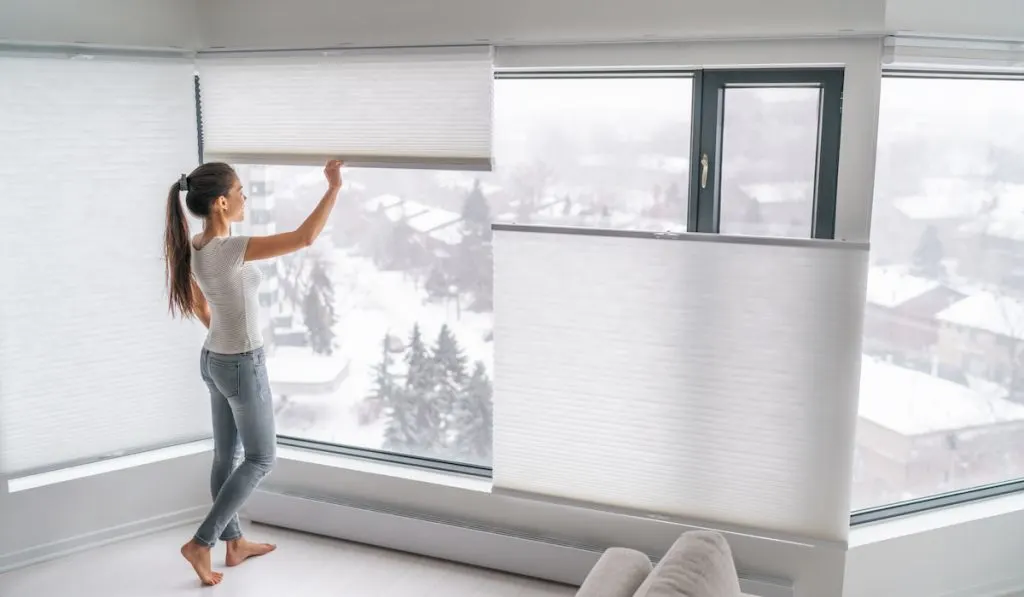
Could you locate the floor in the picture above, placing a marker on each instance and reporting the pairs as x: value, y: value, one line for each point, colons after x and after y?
x: 303, y: 565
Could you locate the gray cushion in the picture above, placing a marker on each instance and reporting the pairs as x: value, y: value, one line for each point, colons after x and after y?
x: 617, y: 574
x: 699, y: 564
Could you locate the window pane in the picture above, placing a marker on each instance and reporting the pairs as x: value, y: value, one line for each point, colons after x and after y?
x: 942, y: 388
x: 769, y: 160
x: 604, y: 153
x: 380, y: 335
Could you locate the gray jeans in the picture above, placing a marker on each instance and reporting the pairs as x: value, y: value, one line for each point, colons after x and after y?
x: 243, y: 415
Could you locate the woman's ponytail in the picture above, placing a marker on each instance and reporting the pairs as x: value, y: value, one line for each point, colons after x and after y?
x: 177, y: 257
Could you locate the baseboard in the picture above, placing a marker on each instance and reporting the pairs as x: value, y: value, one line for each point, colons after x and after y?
x: 497, y: 549
x: 63, y: 547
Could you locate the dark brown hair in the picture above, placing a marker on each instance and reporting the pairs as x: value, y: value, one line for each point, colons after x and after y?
x: 203, y: 186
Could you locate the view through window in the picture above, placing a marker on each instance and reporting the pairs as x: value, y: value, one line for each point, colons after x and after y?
x: 769, y: 161
x: 380, y: 336
x: 942, y: 381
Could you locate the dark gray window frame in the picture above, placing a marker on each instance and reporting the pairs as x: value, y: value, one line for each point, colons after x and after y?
x: 704, y: 210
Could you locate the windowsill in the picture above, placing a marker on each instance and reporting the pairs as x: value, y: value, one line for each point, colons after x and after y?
x: 861, y: 535
x: 388, y: 469
x: 109, y: 465
x: 931, y: 520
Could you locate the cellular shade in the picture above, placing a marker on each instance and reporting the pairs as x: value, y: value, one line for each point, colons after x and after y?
x: 937, y: 53
x: 402, y: 108
x: 710, y: 380
x: 91, y: 365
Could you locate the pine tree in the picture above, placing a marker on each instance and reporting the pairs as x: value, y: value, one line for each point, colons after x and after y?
x: 927, y: 260
x: 415, y: 424
x: 450, y: 368
x: 473, y: 418
x: 437, y: 284
x: 380, y: 398
x: 318, y: 310
x: 473, y: 256
x: 476, y: 213
x: 673, y: 196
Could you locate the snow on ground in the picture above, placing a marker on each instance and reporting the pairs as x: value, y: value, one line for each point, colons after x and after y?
x: 295, y: 365
x: 372, y: 303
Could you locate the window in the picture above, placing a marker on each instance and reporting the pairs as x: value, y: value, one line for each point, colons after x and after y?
x: 380, y: 336
x: 942, y: 390
x: 608, y: 152
x: 769, y: 153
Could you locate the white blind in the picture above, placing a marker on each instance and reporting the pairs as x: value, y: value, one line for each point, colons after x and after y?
x: 408, y: 108
x: 90, y: 362
x: 936, y: 53
x: 703, y: 379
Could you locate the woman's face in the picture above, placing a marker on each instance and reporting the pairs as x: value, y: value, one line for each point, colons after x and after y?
x: 233, y: 204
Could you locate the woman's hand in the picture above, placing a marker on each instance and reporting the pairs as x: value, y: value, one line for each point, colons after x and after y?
x: 332, y: 171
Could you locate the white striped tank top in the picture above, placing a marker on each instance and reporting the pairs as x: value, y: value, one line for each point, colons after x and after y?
x: 231, y: 287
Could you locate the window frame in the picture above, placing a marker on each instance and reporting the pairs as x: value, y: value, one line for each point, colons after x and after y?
x: 709, y: 120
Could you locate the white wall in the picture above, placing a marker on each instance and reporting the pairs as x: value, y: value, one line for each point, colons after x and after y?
x: 46, y: 521
x: 147, y: 23
x: 1000, y: 19
x: 968, y: 551
x: 320, y: 23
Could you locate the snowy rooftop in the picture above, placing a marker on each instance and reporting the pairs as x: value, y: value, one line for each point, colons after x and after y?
x: 1006, y: 219
x: 914, y: 403
x: 384, y: 202
x: 1001, y: 315
x: 890, y: 286
x: 434, y: 221
x: 428, y: 218
x: 945, y: 199
x: 779, y: 192
x: 671, y: 164
x: 463, y: 181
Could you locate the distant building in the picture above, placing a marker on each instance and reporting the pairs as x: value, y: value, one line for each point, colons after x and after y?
x: 260, y: 222
x: 900, y: 316
x: 993, y: 240
x: 436, y: 230
x: 944, y: 204
x: 920, y: 435
x: 983, y: 335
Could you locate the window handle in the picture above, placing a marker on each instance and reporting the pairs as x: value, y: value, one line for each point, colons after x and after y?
x: 704, y: 171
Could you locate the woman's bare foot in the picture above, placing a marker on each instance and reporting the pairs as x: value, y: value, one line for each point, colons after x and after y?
x: 240, y: 550
x: 199, y: 556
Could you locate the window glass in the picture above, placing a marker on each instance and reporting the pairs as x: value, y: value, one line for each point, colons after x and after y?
x: 769, y: 160
x: 942, y: 381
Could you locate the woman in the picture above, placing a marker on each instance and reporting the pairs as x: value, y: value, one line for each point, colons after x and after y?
x: 211, y: 277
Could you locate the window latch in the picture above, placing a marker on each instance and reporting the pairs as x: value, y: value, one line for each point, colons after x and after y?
x: 704, y: 171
